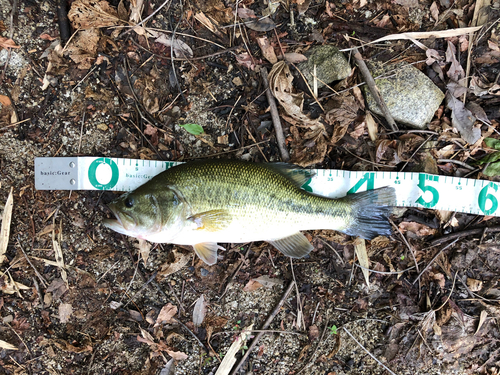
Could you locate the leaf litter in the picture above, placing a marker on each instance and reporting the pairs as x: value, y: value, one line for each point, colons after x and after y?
x: 89, y: 269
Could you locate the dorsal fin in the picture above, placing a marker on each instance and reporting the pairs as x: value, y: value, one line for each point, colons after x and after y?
x: 297, y: 175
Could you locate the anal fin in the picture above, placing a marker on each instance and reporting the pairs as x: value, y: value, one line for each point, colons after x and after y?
x: 207, y: 252
x: 294, y: 246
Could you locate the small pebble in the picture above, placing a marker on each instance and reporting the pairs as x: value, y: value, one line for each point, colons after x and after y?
x: 172, y: 282
x: 102, y: 126
x: 204, y: 272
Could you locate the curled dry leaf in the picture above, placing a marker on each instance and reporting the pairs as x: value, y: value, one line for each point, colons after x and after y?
x: 455, y: 71
x: 166, y: 314
x: 87, y: 14
x: 295, y: 58
x: 280, y: 84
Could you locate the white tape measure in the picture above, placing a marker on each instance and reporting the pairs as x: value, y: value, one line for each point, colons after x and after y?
x: 412, y: 189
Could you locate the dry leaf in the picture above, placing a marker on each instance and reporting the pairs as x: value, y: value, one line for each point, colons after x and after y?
x: 280, y: 84
x: 7, y: 43
x: 248, y: 61
x: 136, y: 8
x: 5, y: 100
x: 474, y: 284
x: 83, y: 48
x: 268, y: 282
x: 295, y: 58
x: 144, y: 248
x: 59, y: 256
x: 166, y: 314
x: 199, y: 311
x: 65, y: 311
x: 434, y: 12
x: 87, y: 14
x: 5, y: 228
x: 170, y: 267
x: 263, y: 24
x: 302, y: 6
x: 455, y: 71
x: 482, y: 319
x: 420, y: 230
x: 267, y: 50
x: 371, y: 126
x: 229, y: 357
x: 177, y: 356
x: 360, y: 249
x: 252, y: 285
x: 181, y: 49
x: 7, y: 346
x: 9, y: 286
x: 246, y: 13
x: 463, y: 120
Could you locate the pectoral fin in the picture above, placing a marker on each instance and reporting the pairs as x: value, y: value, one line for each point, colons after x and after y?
x: 294, y: 246
x: 207, y: 252
x: 211, y: 221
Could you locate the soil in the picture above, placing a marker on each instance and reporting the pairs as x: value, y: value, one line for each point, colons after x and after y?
x: 94, y: 309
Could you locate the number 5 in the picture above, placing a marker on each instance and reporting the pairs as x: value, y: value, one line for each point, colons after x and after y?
x: 422, y: 178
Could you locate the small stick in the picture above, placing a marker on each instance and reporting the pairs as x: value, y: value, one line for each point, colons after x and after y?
x: 373, y: 89
x: 465, y: 233
x: 40, y: 277
x: 264, y: 327
x: 62, y: 17
x: 275, y: 117
x: 366, y: 350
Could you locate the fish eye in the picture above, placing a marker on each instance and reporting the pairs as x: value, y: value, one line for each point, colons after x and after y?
x: 129, y: 202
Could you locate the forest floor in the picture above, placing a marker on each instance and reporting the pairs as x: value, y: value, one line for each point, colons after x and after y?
x: 78, y: 298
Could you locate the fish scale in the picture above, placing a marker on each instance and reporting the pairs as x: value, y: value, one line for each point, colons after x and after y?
x: 205, y: 202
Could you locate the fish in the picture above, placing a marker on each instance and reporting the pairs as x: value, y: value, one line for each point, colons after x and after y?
x: 207, y: 202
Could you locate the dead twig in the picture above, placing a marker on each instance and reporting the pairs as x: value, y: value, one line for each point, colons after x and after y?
x: 275, y: 117
x: 374, y: 89
x: 465, y: 233
x: 40, y: 277
x: 264, y: 327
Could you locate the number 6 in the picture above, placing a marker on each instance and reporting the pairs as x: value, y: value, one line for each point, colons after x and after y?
x: 484, y: 196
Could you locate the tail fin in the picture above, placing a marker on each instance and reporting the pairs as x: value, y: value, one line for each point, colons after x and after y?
x: 371, y: 210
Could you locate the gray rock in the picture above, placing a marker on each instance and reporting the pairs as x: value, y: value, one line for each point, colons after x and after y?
x: 331, y: 65
x: 412, y: 98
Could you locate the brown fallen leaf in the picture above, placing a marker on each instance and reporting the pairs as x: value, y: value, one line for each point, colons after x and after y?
x: 280, y: 84
x: 144, y: 248
x: 7, y: 43
x: 177, y: 356
x: 267, y: 50
x: 252, y: 285
x: 166, y: 314
x: 87, y: 14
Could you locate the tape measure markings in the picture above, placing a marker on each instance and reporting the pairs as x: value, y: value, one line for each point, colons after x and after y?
x: 412, y: 189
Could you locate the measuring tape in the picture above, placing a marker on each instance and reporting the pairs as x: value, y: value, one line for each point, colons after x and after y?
x: 424, y: 190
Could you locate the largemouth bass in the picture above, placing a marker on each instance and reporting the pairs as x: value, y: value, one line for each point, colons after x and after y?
x: 203, y: 203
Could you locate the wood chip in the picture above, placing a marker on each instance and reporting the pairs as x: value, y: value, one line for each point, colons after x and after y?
x: 360, y: 248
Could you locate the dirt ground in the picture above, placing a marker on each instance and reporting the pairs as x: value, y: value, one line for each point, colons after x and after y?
x: 78, y: 298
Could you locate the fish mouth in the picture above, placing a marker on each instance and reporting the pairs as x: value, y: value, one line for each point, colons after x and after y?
x: 122, y: 223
